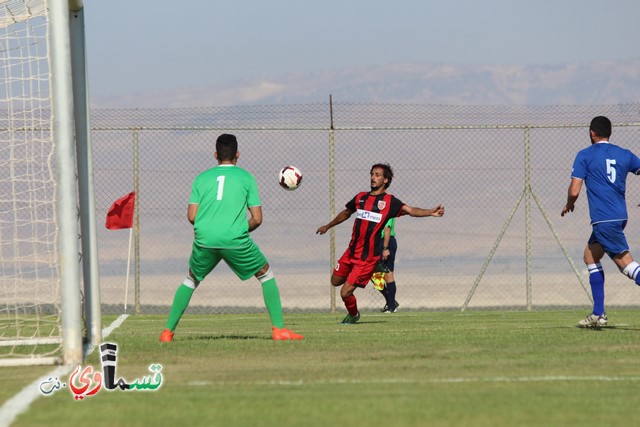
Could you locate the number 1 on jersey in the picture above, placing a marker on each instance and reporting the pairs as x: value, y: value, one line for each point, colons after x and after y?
x: 221, y: 184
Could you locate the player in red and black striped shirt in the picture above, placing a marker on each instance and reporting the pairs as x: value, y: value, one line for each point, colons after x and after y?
x: 372, y: 209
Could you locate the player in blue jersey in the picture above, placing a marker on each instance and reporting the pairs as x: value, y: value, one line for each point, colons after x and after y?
x: 603, y: 167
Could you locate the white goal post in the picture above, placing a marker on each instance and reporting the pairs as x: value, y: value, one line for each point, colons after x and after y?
x: 45, y: 176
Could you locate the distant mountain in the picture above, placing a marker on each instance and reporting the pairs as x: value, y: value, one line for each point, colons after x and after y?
x: 595, y: 83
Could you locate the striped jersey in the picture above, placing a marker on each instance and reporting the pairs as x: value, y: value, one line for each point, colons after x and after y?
x: 372, y: 213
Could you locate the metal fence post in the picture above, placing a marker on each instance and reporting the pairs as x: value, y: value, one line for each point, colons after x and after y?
x: 527, y: 212
x: 332, y: 199
x: 136, y: 175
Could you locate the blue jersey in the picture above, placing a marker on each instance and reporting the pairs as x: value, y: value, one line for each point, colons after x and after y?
x: 604, y: 167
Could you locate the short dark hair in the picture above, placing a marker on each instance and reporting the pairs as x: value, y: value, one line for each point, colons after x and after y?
x: 226, y: 147
x: 387, y: 172
x: 601, y: 126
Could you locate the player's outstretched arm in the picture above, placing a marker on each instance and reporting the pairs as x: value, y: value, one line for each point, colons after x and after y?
x: 420, y: 212
x: 341, y: 217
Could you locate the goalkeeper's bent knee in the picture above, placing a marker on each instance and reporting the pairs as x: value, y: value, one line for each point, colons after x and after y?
x: 190, y: 282
x: 266, y: 276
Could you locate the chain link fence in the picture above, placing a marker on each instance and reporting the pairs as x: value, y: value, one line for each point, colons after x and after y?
x: 501, y: 172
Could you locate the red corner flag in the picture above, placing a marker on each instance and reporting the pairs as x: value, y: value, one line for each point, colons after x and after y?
x: 120, y: 214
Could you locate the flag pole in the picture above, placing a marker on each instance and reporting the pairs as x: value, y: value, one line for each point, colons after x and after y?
x: 126, y: 286
x: 119, y: 216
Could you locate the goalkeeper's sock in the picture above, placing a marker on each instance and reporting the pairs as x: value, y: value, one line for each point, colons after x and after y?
x: 391, y: 294
x: 271, y: 296
x: 180, y: 303
x: 596, y: 280
x: 352, y: 305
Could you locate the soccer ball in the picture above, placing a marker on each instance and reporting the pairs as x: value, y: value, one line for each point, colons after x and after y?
x: 290, y: 177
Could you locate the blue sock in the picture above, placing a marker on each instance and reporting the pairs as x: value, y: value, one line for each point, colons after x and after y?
x: 391, y: 294
x: 596, y: 280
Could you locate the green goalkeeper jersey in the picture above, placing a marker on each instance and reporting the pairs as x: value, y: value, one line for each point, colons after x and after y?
x: 223, y: 195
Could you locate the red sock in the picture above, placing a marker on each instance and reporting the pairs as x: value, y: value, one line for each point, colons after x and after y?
x: 352, y: 305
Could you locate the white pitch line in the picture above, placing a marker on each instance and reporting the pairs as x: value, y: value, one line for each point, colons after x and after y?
x: 558, y: 378
x: 21, y: 401
x: 114, y: 325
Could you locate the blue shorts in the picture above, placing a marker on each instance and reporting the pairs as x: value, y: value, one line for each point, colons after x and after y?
x: 610, y: 235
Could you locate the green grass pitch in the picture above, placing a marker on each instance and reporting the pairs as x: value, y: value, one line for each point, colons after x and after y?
x: 474, y: 368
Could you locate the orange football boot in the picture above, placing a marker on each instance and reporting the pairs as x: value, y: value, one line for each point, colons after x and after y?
x: 284, y: 334
x: 166, y: 336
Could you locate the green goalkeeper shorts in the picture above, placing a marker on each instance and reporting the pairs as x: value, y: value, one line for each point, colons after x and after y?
x: 245, y: 261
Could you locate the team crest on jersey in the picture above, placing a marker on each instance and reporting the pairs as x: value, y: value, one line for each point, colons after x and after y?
x: 381, y: 204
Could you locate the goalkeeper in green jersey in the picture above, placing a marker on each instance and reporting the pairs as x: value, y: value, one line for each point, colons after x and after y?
x: 220, y: 198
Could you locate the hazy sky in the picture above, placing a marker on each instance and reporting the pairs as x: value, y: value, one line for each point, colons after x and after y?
x: 149, y: 46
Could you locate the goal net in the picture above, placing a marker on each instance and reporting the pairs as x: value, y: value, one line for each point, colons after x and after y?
x: 30, y: 331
